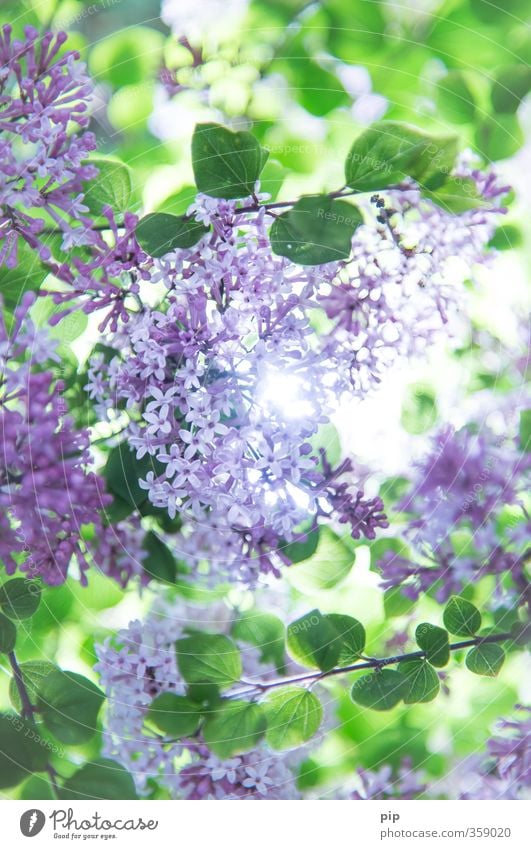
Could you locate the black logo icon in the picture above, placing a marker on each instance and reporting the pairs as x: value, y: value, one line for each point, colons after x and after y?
x: 32, y: 822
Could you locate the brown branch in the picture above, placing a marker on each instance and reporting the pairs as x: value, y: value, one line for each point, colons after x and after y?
x: 372, y: 663
x: 28, y: 712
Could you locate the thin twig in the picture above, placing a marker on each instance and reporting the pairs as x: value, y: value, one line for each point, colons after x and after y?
x: 28, y: 712
x: 372, y: 663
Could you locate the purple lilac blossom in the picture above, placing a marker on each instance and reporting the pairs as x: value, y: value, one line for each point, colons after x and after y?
x: 403, y: 285
x: 505, y: 772
x: 227, y: 382
x: 511, y: 749
x: 47, y: 493
x: 463, y: 485
x: 44, y: 172
x: 42, y: 164
x: 225, y: 392
x: 119, y: 552
x: 390, y: 783
x: 109, y: 280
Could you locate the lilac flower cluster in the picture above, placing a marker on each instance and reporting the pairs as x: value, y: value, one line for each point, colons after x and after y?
x: 138, y: 664
x: 506, y: 771
x: 225, y: 393
x: 511, y: 750
x: 503, y: 772
x: 389, y: 783
x: 42, y: 165
x: 47, y: 495
x: 109, y: 280
x: 256, y: 775
x: 402, y: 286
x: 43, y: 176
x: 462, y: 485
x: 119, y: 552
x: 227, y: 382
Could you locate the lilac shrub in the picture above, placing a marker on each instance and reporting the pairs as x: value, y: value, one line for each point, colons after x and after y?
x: 198, y: 381
x: 229, y: 337
x: 227, y: 382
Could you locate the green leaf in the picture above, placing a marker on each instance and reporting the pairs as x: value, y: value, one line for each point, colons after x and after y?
x: 178, y: 203
x: 461, y: 617
x: 326, y: 438
x: 435, y: 642
x: 521, y: 633
x: 34, y: 673
x: 380, y: 690
x: 511, y: 84
x: 327, y: 567
x: 455, y: 99
x: 359, y: 29
x: 27, y: 276
x: 208, y: 659
x: 226, y: 164
x: 497, y: 11
x: 317, y: 230
x: 525, y: 430
x: 101, y: 592
x: 234, y: 728
x: 485, y: 659
x: 352, y: 635
x: 123, y: 471
x: 117, y: 510
x: 160, y: 232
x: 506, y: 238
x: 422, y: 681
x: 499, y: 137
x: 314, y: 641
x: 128, y: 57
x: 293, y: 716
x: 206, y: 696
x: 389, y: 151
x: 266, y: 632
x: 22, y: 750
x: 318, y: 90
x: 19, y: 598
x: 69, y: 705
x: 99, y: 779
x: 456, y: 195
x: 69, y: 328
x: 302, y: 548
x: 174, y: 715
x: 396, y: 602
x: 160, y: 562
x: 272, y: 177
x: 419, y: 408
x: 36, y: 787
x: 112, y: 187
x: 381, y: 546
x: 8, y: 634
